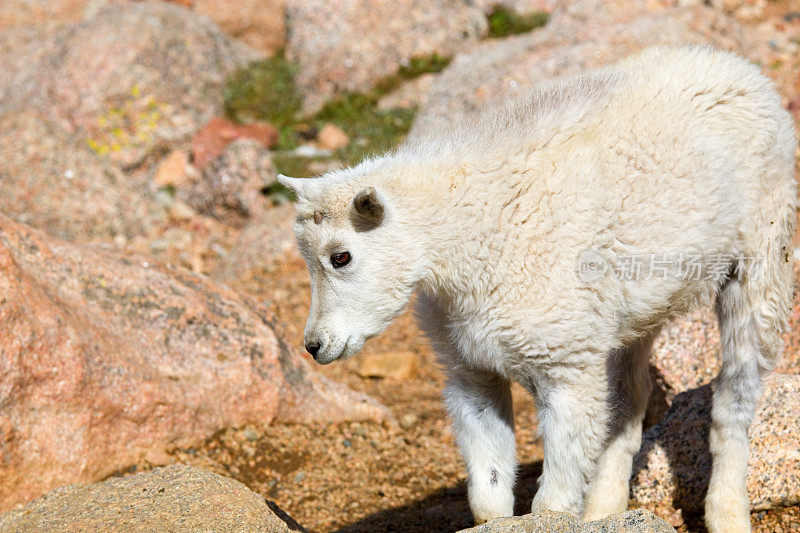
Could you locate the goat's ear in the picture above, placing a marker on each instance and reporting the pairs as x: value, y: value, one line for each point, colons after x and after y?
x: 368, y: 210
x: 296, y: 185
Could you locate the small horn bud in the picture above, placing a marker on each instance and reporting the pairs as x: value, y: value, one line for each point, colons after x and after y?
x: 368, y: 210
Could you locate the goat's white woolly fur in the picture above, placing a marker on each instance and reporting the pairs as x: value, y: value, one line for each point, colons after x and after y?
x: 671, y: 151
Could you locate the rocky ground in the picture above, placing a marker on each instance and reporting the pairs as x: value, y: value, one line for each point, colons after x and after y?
x: 152, y: 300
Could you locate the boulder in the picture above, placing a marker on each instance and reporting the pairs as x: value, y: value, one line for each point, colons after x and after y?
x: 686, y: 354
x: 260, y: 24
x: 672, y: 470
x: 175, y: 498
x: 265, y: 242
x: 52, y: 181
x: 633, y: 521
x: 132, y: 79
x: 367, y: 40
x: 229, y: 187
x: 580, y: 35
x: 109, y: 359
x: 15, y: 13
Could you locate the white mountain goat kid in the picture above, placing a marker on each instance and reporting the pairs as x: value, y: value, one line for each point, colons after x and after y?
x: 549, y: 241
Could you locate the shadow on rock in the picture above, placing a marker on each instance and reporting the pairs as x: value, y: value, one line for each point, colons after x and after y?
x: 677, y: 449
x: 444, y: 510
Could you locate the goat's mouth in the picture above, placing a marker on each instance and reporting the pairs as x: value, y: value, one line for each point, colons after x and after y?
x: 352, y: 345
x: 330, y: 356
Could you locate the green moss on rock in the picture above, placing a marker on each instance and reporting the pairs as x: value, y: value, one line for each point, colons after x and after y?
x: 266, y: 90
x: 504, y: 22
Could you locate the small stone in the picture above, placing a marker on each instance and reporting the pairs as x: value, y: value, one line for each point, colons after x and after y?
x: 331, y: 137
x: 157, y: 457
x: 394, y: 365
x: 250, y: 434
x: 172, y: 170
x: 408, y: 420
x: 180, y: 211
x: 309, y: 150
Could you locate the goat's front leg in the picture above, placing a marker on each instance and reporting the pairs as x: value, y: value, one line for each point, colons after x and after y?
x: 479, y: 404
x: 573, y: 420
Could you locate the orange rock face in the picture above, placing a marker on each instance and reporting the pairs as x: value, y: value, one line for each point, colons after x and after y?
x: 107, y: 359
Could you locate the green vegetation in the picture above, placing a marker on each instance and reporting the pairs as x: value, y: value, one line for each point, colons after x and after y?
x: 266, y: 91
x: 504, y: 22
x: 417, y: 66
x: 371, y: 131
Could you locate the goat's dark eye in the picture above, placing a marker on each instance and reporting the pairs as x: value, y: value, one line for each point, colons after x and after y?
x: 340, y: 259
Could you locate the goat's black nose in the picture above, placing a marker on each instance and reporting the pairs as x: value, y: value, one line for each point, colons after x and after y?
x: 313, y: 348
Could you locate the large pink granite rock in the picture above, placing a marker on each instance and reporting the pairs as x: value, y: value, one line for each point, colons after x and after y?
x: 366, y: 40
x: 128, y: 81
x: 52, y: 181
x: 580, y: 35
x: 686, y: 356
x: 672, y: 470
x: 107, y: 359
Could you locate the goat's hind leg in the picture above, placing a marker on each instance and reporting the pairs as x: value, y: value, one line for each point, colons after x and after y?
x: 630, y: 386
x: 751, y: 317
